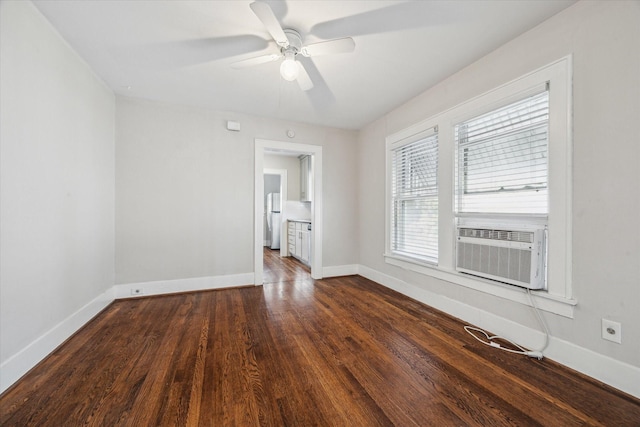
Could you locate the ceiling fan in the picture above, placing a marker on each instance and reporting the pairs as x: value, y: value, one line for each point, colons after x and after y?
x: 290, y: 43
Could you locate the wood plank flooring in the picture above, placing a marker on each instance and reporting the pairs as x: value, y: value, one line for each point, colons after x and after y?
x: 335, y: 352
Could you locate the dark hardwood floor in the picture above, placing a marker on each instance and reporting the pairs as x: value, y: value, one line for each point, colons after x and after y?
x: 335, y: 352
x: 279, y: 269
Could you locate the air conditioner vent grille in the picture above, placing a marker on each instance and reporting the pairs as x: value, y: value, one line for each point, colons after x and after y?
x: 515, y: 256
x: 504, y: 263
x: 504, y: 235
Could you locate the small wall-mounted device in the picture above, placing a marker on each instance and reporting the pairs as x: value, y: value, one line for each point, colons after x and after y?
x: 612, y: 331
x: 233, y: 126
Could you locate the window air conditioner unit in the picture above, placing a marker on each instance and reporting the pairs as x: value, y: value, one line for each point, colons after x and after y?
x: 515, y: 257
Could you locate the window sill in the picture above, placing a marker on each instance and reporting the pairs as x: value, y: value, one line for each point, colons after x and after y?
x: 544, y: 301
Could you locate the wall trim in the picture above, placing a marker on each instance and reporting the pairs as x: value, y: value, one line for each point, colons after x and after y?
x: 24, y: 360
x: 615, y: 373
x: 544, y: 301
x: 162, y: 287
x: 340, y: 270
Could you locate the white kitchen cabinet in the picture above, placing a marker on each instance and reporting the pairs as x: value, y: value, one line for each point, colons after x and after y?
x: 306, y: 179
x: 298, y: 249
x: 299, y: 240
x: 291, y: 237
x: 304, y: 243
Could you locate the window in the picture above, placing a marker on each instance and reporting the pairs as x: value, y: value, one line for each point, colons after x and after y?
x: 414, y: 198
x: 502, y: 158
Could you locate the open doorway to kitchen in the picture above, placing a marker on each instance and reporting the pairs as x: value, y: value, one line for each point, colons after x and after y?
x: 292, y: 207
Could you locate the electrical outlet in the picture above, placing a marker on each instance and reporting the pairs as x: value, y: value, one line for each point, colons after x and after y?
x: 136, y: 291
x: 611, y: 331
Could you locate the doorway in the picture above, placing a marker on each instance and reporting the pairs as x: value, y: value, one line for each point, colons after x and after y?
x: 275, y: 181
x: 273, y: 147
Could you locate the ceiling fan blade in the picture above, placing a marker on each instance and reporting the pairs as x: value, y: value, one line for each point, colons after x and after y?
x: 321, y: 97
x: 262, y: 59
x: 176, y: 54
x: 397, y: 17
x: 304, y: 81
x: 265, y: 14
x: 344, y: 45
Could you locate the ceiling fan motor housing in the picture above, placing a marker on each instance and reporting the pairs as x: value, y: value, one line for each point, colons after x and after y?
x: 295, y: 41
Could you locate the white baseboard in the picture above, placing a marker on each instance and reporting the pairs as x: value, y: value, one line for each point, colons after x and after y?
x: 340, y: 270
x: 20, y: 363
x: 617, y: 374
x: 183, y: 285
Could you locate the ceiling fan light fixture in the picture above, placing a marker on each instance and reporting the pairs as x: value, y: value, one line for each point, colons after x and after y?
x: 290, y: 44
x: 289, y: 68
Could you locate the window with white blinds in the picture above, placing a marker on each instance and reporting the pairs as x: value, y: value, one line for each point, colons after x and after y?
x: 502, y: 162
x: 414, y: 199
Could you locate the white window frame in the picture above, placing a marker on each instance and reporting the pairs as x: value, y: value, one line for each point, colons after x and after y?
x: 462, y: 207
x: 392, y: 147
x: 558, y: 297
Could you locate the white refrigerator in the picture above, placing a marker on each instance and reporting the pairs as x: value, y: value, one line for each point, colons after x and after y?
x: 273, y: 219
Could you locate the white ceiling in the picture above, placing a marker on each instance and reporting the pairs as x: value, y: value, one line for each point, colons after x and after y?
x: 180, y: 51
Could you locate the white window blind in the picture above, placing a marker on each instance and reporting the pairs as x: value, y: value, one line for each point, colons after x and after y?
x: 414, y: 199
x: 502, y: 163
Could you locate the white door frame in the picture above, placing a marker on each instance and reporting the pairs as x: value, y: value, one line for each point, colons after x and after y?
x: 316, y: 214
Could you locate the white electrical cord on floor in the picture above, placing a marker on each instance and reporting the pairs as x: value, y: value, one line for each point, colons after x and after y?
x: 490, y: 338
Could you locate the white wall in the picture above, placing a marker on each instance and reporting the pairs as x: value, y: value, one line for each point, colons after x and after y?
x: 184, y: 184
x: 184, y: 191
x: 604, y: 38
x: 57, y: 186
